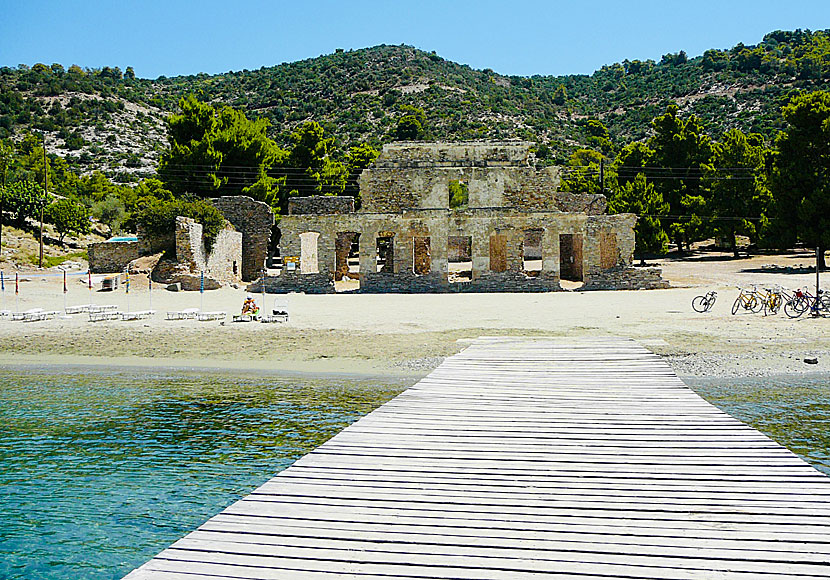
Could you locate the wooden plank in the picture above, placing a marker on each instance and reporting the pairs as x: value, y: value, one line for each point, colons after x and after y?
x: 528, y: 458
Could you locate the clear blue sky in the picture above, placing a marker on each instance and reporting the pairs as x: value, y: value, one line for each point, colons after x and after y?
x: 511, y: 37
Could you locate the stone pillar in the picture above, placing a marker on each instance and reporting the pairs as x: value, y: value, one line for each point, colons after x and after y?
x: 368, y: 253
x: 550, y: 251
x: 480, y: 251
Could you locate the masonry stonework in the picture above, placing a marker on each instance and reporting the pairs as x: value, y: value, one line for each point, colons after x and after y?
x: 254, y: 220
x: 408, y: 235
x: 107, y: 257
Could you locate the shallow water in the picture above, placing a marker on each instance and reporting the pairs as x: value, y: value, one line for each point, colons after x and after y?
x: 794, y: 410
x: 101, y: 471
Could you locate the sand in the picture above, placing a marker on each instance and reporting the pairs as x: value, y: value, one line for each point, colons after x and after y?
x: 404, y: 335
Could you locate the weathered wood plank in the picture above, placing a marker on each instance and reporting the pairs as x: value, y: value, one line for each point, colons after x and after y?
x: 528, y: 458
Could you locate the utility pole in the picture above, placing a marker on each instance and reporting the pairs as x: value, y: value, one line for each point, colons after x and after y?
x: 602, y: 175
x: 818, y: 289
x: 45, y: 196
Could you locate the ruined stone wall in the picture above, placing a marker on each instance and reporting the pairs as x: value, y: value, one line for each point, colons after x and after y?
x: 105, y: 257
x: 225, y: 258
x: 254, y: 220
x: 625, y: 278
x: 320, y: 205
x: 190, y: 247
x: 420, y: 250
x: 148, y: 245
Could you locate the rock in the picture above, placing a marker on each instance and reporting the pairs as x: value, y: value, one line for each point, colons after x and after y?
x: 811, y: 361
x: 175, y: 287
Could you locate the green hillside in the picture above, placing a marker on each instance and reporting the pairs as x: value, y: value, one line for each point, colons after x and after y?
x: 109, y: 119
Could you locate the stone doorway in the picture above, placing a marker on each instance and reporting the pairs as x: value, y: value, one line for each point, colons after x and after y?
x: 532, y: 252
x: 385, y: 253
x: 459, y: 259
x: 347, y: 261
x: 421, y: 257
x: 570, y: 257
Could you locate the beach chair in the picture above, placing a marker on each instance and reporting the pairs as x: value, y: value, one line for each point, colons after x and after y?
x: 104, y: 315
x: 137, y: 315
x: 21, y: 316
x: 98, y: 308
x: 5, y: 313
x: 186, y: 314
x: 78, y: 309
x: 280, y: 311
x: 209, y: 316
x: 242, y: 318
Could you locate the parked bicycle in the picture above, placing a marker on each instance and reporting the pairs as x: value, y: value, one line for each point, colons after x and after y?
x: 748, y: 300
x: 704, y: 303
x: 802, y: 301
x: 770, y: 299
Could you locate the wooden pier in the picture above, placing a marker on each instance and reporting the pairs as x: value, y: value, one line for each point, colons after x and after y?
x: 528, y: 458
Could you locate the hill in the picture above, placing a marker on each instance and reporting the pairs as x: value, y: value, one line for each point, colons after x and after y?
x: 111, y: 120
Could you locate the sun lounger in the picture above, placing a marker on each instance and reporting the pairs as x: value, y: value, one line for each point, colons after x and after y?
x: 279, y: 313
x: 242, y: 318
x: 137, y: 315
x: 95, y: 308
x: 5, y: 312
x: 105, y: 315
x: 186, y: 314
x: 208, y: 316
x: 41, y: 315
x: 78, y: 309
x: 21, y: 316
x: 283, y: 317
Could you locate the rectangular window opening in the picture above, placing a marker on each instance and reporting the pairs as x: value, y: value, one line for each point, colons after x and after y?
x: 460, y: 258
x: 532, y: 252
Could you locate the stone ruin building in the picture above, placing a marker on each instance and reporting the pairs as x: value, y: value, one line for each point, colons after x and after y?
x: 238, y: 253
x: 516, y: 233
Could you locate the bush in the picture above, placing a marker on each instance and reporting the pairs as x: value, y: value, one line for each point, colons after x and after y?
x: 158, y: 217
x: 68, y: 216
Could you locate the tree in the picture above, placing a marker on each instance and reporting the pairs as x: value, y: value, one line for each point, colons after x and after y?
x: 213, y: 153
x: 582, y: 174
x: 24, y: 199
x: 358, y: 158
x: 801, y: 174
x: 310, y: 170
x: 409, y: 128
x: 6, y: 156
x: 459, y: 194
x: 111, y: 212
x: 640, y: 197
x: 68, y: 216
x: 680, y: 150
x: 739, y: 199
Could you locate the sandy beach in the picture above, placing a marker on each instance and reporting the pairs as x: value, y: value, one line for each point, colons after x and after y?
x: 410, y: 334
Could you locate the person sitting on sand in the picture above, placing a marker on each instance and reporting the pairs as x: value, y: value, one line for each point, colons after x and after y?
x: 250, y: 307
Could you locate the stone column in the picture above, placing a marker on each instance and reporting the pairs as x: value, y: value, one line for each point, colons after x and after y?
x: 550, y: 251
x: 367, y: 253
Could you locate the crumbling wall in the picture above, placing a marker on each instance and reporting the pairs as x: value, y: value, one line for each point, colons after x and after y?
x: 190, y: 247
x: 625, y: 278
x: 107, y: 257
x: 320, y: 205
x: 154, y: 244
x: 254, y: 220
x: 225, y: 258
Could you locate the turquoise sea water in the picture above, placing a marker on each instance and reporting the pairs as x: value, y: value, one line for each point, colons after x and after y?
x: 100, y: 471
x: 794, y: 410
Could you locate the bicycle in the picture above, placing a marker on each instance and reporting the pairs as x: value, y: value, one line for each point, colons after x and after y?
x: 748, y: 300
x: 770, y: 299
x: 803, y: 301
x: 704, y: 303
